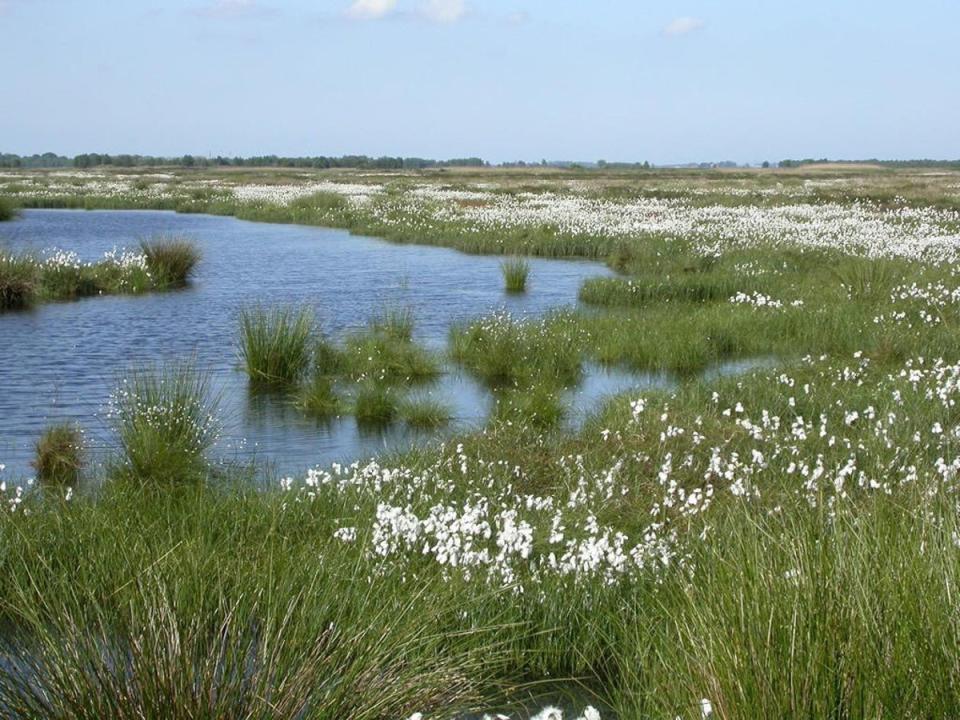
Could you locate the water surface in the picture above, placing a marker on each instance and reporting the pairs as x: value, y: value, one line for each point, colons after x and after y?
x: 61, y: 360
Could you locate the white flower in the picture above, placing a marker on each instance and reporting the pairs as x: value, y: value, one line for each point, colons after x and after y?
x: 549, y: 713
x: 706, y: 708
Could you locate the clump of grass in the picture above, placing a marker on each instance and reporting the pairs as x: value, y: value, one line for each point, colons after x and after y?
x: 394, y: 324
x: 166, y: 422
x: 318, y: 397
x: 385, y: 358
x: 327, y: 358
x: 275, y: 344
x: 375, y: 404
x: 866, y: 278
x: 170, y: 260
x: 502, y: 350
x: 19, y: 276
x: 515, y: 272
x: 424, y: 413
x: 244, y: 648
x: 66, y: 281
x: 8, y: 211
x: 59, y: 455
x: 540, y: 408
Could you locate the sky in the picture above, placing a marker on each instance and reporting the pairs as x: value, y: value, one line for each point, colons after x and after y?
x: 663, y: 81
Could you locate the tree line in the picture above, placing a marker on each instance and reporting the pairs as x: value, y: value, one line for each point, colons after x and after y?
x: 87, y: 160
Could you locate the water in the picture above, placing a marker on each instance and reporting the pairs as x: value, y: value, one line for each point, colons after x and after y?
x: 61, y: 360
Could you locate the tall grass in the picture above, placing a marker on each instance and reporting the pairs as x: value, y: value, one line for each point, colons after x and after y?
x: 59, y: 455
x: 19, y: 280
x: 275, y: 344
x: 170, y: 260
x: 166, y: 421
x: 515, y: 272
x: 190, y: 604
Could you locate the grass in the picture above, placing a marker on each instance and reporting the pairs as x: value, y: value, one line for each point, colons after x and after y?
x: 384, y: 358
x: 515, y: 272
x: 171, y: 261
x: 19, y: 281
x: 275, y: 344
x: 59, y: 455
x: 503, y: 351
x: 796, y: 527
x: 539, y: 408
x: 165, y: 420
x: 8, y: 211
x: 318, y: 398
x: 394, y: 324
x: 375, y: 404
x: 192, y: 629
x: 26, y: 279
x: 424, y: 413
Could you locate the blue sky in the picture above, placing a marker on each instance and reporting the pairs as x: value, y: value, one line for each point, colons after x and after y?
x: 668, y: 82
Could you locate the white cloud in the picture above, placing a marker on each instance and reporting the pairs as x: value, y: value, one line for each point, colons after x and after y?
x: 682, y: 26
x: 443, y: 11
x: 370, y: 9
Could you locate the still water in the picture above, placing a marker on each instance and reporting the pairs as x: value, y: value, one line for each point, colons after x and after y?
x: 61, y: 360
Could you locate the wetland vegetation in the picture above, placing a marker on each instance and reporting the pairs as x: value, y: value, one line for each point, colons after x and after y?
x: 777, y: 543
x: 159, y: 264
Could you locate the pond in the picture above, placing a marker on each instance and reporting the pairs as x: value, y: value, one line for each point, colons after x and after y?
x: 61, y: 360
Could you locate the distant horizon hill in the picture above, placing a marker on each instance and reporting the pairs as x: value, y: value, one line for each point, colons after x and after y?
x: 50, y: 160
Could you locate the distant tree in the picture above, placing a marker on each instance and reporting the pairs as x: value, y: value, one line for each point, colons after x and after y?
x: 766, y: 163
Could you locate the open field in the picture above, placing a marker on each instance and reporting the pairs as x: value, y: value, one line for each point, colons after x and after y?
x: 781, y: 543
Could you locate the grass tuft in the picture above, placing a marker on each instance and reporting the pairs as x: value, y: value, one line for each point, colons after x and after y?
x: 375, y: 404
x: 424, y: 413
x: 318, y: 398
x: 394, y: 324
x: 166, y: 422
x: 275, y: 344
x: 59, y: 455
x: 19, y: 280
x: 8, y: 211
x: 170, y: 260
x: 515, y: 272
